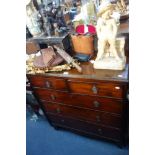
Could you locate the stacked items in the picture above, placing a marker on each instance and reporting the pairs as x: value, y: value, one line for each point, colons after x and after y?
x: 47, y: 60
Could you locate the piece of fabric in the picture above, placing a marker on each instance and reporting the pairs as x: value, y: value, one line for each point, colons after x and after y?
x: 83, y: 29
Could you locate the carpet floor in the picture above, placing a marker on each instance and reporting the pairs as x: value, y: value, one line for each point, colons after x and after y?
x: 43, y: 139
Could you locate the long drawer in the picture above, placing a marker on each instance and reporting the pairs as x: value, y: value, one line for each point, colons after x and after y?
x: 83, y: 114
x: 101, y: 88
x: 86, y: 127
x: 48, y: 82
x: 85, y: 101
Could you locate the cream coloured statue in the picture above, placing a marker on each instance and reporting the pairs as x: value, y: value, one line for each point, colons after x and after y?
x: 110, y: 50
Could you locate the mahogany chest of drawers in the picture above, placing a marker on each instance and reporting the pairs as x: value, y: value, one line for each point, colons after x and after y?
x: 92, y: 103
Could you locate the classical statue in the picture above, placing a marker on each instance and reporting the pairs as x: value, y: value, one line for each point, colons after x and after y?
x: 109, y: 55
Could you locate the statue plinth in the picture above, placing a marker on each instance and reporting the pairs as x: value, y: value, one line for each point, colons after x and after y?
x: 110, y: 62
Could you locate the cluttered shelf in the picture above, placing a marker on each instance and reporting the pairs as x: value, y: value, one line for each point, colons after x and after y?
x: 123, y: 29
x: 52, y: 39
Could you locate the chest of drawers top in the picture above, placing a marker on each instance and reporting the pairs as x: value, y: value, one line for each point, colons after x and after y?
x: 103, y: 83
x: 90, y: 74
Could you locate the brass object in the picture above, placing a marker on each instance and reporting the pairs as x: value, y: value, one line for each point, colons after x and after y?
x: 96, y: 104
x: 100, y: 131
x: 98, y: 118
x: 53, y: 97
x: 58, y: 110
x: 31, y: 69
x: 62, y: 120
x: 47, y: 84
x: 94, y: 89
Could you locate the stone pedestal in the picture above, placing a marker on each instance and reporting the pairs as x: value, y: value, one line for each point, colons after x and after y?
x: 109, y: 61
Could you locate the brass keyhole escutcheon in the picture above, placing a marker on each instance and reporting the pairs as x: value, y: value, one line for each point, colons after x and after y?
x: 96, y: 104
x: 62, y: 120
x: 98, y: 118
x: 47, y: 84
x: 58, y: 110
x: 94, y: 89
x: 100, y: 131
x: 53, y: 97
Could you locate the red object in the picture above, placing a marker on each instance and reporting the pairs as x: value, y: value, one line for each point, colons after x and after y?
x: 82, y: 29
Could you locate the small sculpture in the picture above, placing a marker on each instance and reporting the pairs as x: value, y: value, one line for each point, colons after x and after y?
x: 33, y: 20
x: 50, y: 16
x: 56, y: 29
x: 46, y: 22
x: 110, y: 55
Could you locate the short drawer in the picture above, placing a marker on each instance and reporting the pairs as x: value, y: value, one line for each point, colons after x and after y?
x: 48, y: 82
x: 50, y: 95
x: 83, y: 114
x: 86, y: 127
x: 107, y: 89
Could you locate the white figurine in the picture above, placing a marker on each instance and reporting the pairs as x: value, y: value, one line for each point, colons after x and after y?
x: 108, y: 56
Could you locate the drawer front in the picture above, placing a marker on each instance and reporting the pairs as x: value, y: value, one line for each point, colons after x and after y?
x: 83, y: 114
x: 84, y: 101
x: 46, y: 82
x: 51, y: 95
x: 100, y: 89
x: 86, y: 127
x: 96, y: 103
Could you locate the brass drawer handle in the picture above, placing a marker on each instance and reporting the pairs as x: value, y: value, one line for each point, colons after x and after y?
x: 100, y: 131
x: 58, y: 110
x: 94, y: 89
x: 96, y: 104
x: 53, y: 97
x: 62, y: 120
x: 98, y: 118
x: 47, y: 84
